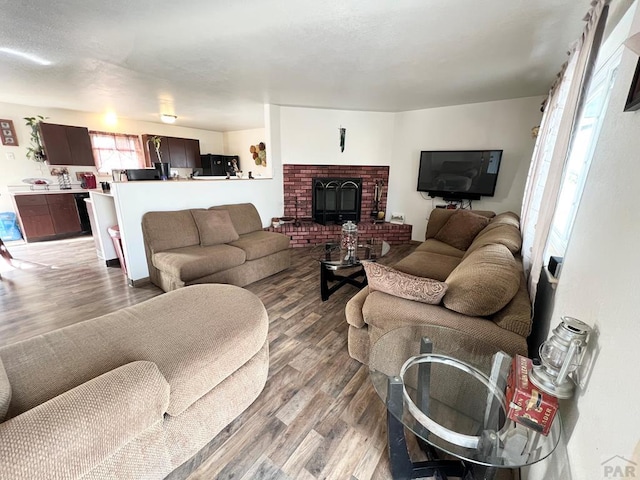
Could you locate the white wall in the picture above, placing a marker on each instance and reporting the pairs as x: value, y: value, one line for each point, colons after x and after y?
x: 311, y: 136
x: 599, y: 285
x: 14, y: 170
x: 238, y: 143
x: 502, y: 125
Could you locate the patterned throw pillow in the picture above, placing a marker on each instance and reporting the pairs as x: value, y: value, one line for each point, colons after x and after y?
x: 388, y: 280
x: 461, y: 228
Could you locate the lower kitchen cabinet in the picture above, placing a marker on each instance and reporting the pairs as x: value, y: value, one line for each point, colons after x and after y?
x: 47, y: 216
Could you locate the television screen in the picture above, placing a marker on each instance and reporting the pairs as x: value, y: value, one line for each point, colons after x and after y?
x: 462, y: 174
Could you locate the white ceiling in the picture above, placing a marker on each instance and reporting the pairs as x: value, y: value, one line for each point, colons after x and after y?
x: 215, y: 63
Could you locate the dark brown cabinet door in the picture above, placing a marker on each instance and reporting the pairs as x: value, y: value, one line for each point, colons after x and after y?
x: 33, y: 214
x: 37, y: 226
x: 64, y: 213
x: 67, y: 145
x: 56, y: 144
x: 177, y: 152
x: 47, y: 216
x: 80, y: 146
x: 192, y: 148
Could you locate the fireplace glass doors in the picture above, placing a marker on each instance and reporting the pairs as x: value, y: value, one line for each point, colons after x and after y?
x: 336, y: 200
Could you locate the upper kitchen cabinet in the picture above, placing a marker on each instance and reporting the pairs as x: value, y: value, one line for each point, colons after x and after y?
x: 178, y: 152
x: 67, y: 145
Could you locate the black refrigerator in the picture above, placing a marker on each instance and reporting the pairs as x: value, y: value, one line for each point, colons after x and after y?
x: 219, y: 165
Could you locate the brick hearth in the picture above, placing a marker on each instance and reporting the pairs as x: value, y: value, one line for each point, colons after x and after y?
x: 298, y: 198
x: 310, y: 233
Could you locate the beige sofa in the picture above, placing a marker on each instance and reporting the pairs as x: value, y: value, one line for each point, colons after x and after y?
x: 132, y: 394
x: 474, y: 259
x: 222, y: 244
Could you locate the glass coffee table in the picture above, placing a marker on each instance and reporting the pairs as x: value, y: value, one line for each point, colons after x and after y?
x: 447, y: 387
x: 333, y: 258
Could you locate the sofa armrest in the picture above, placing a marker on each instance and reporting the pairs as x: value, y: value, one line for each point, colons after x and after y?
x: 384, y: 312
x: 72, y: 433
x: 353, y: 310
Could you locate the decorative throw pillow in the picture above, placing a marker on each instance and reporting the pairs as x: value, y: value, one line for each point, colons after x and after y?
x: 388, y: 280
x: 5, y: 392
x: 461, y: 228
x: 215, y: 227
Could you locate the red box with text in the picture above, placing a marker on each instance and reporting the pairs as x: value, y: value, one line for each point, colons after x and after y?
x: 526, y: 404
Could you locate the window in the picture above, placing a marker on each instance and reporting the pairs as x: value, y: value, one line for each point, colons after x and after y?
x: 116, y: 151
x: 580, y: 154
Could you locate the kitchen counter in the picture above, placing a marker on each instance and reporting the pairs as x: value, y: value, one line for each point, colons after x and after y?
x: 53, y: 189
x: 199, y: 179
x: 52, y: 192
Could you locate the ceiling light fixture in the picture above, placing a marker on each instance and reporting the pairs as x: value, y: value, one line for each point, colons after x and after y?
x: 110, y: 118
x: 26, y: 56
x: 166, y: 118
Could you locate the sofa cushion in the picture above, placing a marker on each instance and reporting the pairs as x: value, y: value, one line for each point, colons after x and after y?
x: 506, y: 218
x: 388, y: 280
x: 439, y: 216
x: 436, y: 246
x: 504, y: 234
x: 5, y: 392
x: 428, y: 264
x: 461, y: 228
x: 191, y: 263
x: 167, y: 230
x: 260, y: 244
x: 484, y: 282
x: 214, y: 226
x: 245, y: 217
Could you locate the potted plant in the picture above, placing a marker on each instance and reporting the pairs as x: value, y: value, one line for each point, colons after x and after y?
x: 36, y: 151
x: 156, y: 141
x: 161, y: 167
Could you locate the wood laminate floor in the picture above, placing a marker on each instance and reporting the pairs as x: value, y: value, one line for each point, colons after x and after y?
x: 318, y: 416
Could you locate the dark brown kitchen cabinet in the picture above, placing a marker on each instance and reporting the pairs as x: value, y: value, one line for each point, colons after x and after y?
x: 64, y: 213
x: 67, y: 145
x: 178, y: 152
x: 47, y: 216
x: 192, y: 149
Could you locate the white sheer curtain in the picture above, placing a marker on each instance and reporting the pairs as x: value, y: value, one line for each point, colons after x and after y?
x: 554, y: 139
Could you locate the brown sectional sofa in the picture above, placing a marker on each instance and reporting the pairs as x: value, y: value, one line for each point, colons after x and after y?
x: 222, y: 244
x: 476, y: 256
x: 132, y: 394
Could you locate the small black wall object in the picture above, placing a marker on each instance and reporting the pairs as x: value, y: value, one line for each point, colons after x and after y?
x: 554, y: 265
x: 343, y: 134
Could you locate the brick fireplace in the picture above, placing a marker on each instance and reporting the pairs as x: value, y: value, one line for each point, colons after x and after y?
x: 298, y: 192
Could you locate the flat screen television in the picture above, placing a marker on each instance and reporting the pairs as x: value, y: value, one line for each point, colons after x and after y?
x: 459, y: 174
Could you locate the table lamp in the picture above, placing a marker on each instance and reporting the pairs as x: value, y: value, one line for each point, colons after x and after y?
x: 560, y: 355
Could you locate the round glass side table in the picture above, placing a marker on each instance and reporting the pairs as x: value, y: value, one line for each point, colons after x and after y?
x: 447, y: 387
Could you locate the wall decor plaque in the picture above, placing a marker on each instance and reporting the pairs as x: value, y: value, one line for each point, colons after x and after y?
x: 8, y: 133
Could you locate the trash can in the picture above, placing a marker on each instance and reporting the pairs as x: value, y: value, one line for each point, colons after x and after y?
x: 114, y: 233
x: 9, y: 229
